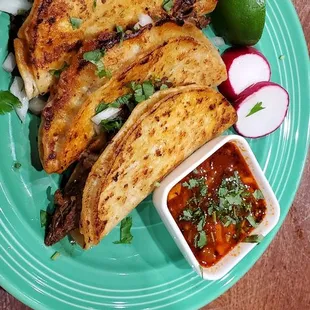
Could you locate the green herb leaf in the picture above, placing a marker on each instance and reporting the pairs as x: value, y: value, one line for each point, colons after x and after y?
x: 163, y: 86
x: 57, y: 72
x: 253, y: 239
x: 200, y: 239
x: 43, y: 218
x: 192, y: 183
x: 258, y: 194
x: 17, y: 165
x: 8, y: 102
x: 75, y: 22
x: 119, y: 29
x: 252, y: 221
x: 157, y: 184
x: 142, y: 91
x: 94, y: 4
x: 111, y: 125
x: 148, y: 89
x: 95, y: 58
x: 167, y: 5
x: 55, y: 255
x: 201, y: 223
x: 258, y: 107
x: 187, y: 215
x: 125, y: 234
x: 123, y: 100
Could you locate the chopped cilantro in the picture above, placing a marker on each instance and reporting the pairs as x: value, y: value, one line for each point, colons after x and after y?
x: 253, y: 239
x: 251, y: 220
x: 258, y: 107
x: 157, y: 184
x: 142, y: 91
x: 167, y: 5
x: 214, y: 217
x: 75, y: 22
x: 200, y: 239
x: 119, y: 29
x: 163, y: 86
x: 123, y: 100
x: 8, y: 102
x: 95, y: 58
x: 94, y: 4
x: 187, y: 215
x: 111, y: 125
x: 55, y: 255
x: 17, y: 165
x: 201, y: 223
x: 258, y: 194
x: 57, y: 72
x: 43, y: 218
x: 125, y: 234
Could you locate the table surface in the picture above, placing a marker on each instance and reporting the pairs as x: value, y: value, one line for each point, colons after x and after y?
x: 281, y: 277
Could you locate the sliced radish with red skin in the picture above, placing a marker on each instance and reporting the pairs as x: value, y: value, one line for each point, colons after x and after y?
x: 245, y: 66
x: 269, y: 102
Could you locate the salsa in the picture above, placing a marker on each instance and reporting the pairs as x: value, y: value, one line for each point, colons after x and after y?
x: 217, y: 205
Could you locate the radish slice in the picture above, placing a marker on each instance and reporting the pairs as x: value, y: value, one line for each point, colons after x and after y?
x: 108, y: 113
x: 261, y: 109
x: 245, y: 67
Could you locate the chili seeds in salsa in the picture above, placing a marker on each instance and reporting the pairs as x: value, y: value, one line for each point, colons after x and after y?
x: 217, y: 205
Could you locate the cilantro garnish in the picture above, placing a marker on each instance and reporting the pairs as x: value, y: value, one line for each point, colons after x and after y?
x: 253, y: 239
x: 139, y: 93
x: 123, y: 100
x: 75, y: 22
x: 17, y: 165
x: 95, y: 58
x: 200, y: 239
x: 258, y: 107
x: 119, y: 29
x: 258, y: 194
x: 43, y: 218
x: 111, y: 125
x: 55, y: 255
x: 142, y: 91
x: 125, y: 234
x: 167, y: 5
x: 94, y: 4
x: 57, y: 72
x: 252, y: 221
x: 8, y: 102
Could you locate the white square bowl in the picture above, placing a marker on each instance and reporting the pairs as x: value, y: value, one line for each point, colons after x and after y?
x: 270, y: 220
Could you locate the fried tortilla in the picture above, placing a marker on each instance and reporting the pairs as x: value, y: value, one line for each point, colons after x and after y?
x: 55, y: 30
x: 66, y: 131
x: 152, y: 146
x: 68, y: 202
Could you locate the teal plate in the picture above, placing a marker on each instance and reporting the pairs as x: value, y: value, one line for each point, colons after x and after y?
x: 151, y: 273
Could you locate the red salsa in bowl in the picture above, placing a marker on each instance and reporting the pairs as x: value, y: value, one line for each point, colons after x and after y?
x: 217, y: 205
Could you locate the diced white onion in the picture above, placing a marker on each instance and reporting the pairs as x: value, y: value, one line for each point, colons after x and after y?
x: 108, y: 113
x: 144, y: 20
x: 218, y: 41
x: 18, y: 90
x: 15, y: 6
x: 10, y: 63
x: 36, y: 105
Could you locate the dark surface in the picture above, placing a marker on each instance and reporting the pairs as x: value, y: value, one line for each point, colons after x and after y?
x: 280, y: 280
